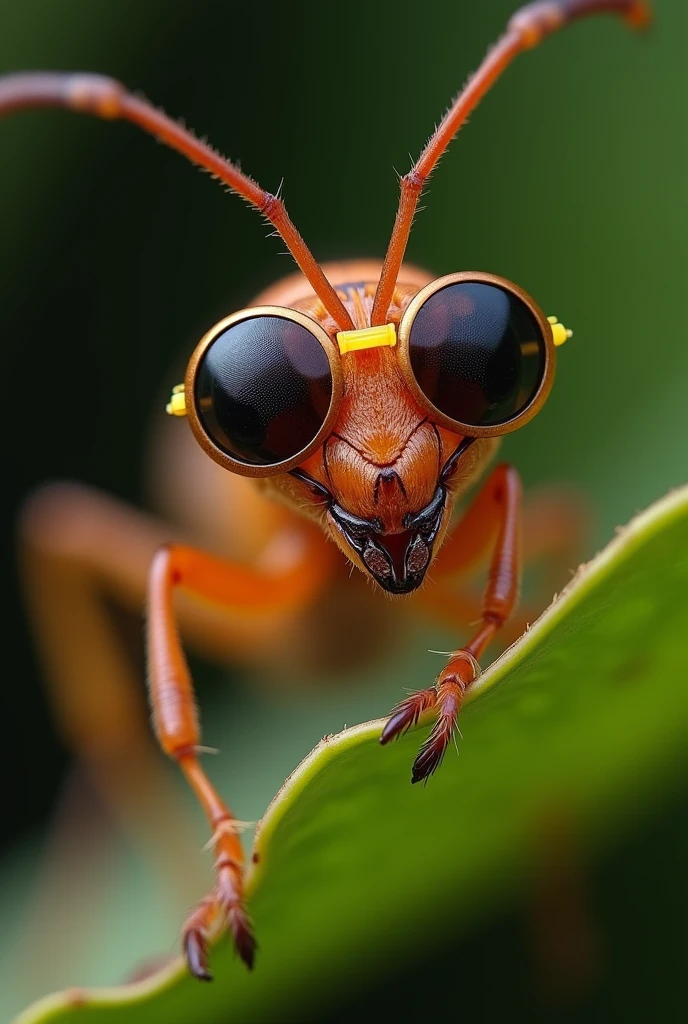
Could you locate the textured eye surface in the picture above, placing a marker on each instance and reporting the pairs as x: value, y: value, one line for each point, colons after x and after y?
x: 477, y: 352
x: 263, y: 389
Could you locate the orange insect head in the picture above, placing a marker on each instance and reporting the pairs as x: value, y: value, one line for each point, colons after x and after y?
x: 371, y: 394
x: 373, y: 419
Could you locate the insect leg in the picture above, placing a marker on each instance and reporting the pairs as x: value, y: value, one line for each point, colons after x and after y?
x: 84, y: 558
x: 556, y: 523
x: 174, y: 712
x: 495, y: 515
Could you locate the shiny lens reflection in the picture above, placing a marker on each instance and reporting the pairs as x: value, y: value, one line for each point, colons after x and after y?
x: 477, y: 352
x: 263, y: 389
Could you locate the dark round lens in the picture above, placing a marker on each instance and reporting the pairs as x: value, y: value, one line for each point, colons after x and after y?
x: 477, y: 352
x: 263, y: 389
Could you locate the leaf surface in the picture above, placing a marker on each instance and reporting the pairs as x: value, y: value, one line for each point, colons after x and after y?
x: 580, y: 721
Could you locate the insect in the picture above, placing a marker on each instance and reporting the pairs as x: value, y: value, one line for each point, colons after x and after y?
x: 354, y: 403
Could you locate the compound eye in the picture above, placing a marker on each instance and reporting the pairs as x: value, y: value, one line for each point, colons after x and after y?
x: 263, y: 389
x: 478, y: 353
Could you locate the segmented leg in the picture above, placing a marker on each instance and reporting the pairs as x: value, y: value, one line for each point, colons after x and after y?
x: 176, y: 722
x: 495, y: 511
x: 84, y: 558
x: 85, y: 554
x: 556, y: 537
x: 226, y: 901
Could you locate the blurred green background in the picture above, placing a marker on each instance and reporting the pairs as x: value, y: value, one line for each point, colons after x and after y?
x: 117, y: 256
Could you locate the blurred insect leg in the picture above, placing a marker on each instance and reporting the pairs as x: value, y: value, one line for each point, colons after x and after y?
x: 79, y: 547
x: 493, y: 517
x: 79, y: 551
x: 176, y: 723
x: 556, y: 532
x: 556, y: 536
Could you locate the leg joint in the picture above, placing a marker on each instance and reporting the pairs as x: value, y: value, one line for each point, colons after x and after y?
x: 413, y: 182
x: 180, y: 753
x: 95, y: 94
x: 534, y: 22
x: 494, y: 618
x: 272, y: 207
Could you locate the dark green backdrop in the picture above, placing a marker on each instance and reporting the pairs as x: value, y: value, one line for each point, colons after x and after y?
x: 116, y: 256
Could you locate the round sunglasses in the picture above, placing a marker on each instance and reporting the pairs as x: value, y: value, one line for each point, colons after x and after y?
x: 264, y: 386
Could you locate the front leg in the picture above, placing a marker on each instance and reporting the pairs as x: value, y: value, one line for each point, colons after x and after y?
x: 229, y: 586
x: 494, y: 516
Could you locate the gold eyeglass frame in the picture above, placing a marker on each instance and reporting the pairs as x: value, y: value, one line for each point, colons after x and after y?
x: 467, y: 429
x: 334, y: 358
x: 206, y: 442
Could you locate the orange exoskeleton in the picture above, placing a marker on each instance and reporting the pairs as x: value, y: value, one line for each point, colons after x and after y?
x: 365, y: 398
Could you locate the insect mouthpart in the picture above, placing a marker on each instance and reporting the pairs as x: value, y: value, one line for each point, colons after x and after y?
x: 397, y: 561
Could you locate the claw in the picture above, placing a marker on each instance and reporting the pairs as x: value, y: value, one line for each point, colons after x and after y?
x: 397, y: 724
x: 242, y: 933
x: 195, y: 936
x: 449, y: 697
x: 223, y: 906
x: 406, y: 714
x: 196, y: 954
x: 431, y: 754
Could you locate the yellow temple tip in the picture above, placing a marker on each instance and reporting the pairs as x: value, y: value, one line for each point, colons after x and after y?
x: 177, y: 403
x: 560, y: 334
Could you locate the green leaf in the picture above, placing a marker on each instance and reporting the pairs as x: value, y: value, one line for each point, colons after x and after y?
x: 583, y: 718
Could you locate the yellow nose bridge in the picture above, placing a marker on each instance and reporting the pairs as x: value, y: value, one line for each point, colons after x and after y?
x: 368, y: 337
